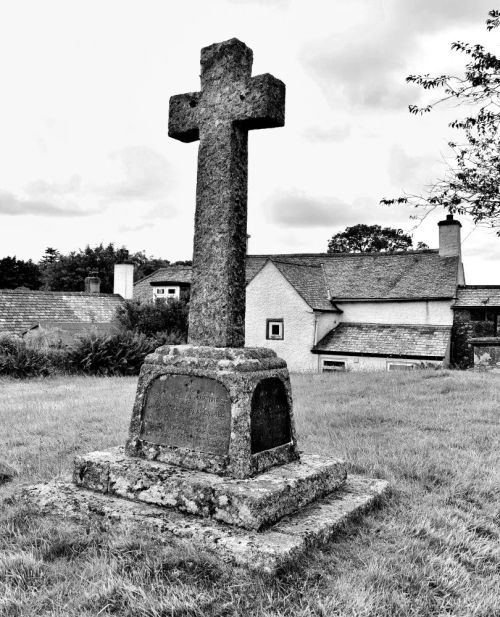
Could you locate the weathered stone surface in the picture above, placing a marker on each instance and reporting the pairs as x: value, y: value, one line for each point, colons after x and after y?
x: 252, y: 503
x: 241, y: 372
x: 231, y: 102
x: 188, y: 412
x: 486, y: 353
x: 262, y: 551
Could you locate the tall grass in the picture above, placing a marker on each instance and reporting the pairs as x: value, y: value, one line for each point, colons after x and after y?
x: 432, y: 549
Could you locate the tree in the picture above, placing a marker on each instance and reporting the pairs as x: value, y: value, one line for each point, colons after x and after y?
x: 68, y: 272
x: 470, y: 185
x: 371, y: 238
x: 16, y: 273
x: 144, y: 265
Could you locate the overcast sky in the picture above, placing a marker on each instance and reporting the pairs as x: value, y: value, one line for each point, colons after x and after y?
x: 85, y: 156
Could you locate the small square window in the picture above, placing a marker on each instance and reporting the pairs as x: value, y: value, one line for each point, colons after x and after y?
x: 274, y: 329
x: 171, y: 291
x: 160, y: 292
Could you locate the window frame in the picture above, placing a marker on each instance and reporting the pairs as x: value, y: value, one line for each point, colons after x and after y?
x: 411, y: 366
x: 276, y: 321
x: 161, y: 292
x: 336, y: 365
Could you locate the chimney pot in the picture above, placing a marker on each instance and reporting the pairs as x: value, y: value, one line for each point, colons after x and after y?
x: 450, y: 244
x: 92, y: 284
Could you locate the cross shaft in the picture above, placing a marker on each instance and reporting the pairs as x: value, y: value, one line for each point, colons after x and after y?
x: 230, y: 103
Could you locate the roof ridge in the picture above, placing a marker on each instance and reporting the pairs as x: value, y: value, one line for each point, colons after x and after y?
x: 341, y: 254
x: 294, y: 263
x: 460, y: 287
x: 40, y: 292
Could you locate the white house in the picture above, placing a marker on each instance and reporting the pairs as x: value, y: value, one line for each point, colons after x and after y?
x: 323, y: 312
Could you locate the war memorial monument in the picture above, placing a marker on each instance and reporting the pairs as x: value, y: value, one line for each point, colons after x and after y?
x: 212, y: 455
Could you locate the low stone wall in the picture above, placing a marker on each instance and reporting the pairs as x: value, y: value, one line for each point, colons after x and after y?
x: 486, y: 353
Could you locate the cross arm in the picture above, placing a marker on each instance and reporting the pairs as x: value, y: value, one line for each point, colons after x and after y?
x: 183, y: 117
x: 262, y: 103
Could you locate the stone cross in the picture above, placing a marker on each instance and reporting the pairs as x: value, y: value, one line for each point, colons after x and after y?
x: 230, y: 103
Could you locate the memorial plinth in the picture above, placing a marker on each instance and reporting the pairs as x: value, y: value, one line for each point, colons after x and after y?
x: 220, y: 410
x: 212, y: 451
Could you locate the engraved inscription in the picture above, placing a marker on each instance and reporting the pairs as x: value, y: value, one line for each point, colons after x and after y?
x: 188, y: 412
x: 270, y: 416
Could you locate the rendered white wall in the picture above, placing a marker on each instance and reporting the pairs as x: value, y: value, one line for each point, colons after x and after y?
x: 270, y: 296
x: 432, y: 312
x: 325, y: 323
x: 366, y: 363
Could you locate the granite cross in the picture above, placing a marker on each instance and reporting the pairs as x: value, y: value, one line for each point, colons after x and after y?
x: 231, y: 102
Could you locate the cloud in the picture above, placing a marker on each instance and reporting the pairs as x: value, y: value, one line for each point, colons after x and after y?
x: 154, y: 216
x: 145, y: 174
x: 412, y: 172
x: 138, y: 227
x: 41, y: 188
x: 12, y: 205
x: 328, y: 134
x: 272, y: 3
x: 296, y: 210
x: 369, y: 66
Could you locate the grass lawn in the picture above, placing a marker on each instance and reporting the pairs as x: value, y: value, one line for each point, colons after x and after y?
x: 433, y: 548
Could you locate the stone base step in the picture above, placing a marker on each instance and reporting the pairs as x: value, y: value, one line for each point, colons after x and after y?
x: 252, y: 503
x: 265, y: 551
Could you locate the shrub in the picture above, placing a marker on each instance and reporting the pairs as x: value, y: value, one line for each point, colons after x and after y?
x: 117, y: 354
x: 19, y: 360
x: 155, y: 318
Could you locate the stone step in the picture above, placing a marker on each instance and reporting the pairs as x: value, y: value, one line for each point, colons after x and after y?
x: 252, y: 503
x: 264, y: 551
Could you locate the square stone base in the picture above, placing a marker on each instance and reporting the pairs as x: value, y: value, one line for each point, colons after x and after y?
x: 252, y: 503
x: 265, y: 551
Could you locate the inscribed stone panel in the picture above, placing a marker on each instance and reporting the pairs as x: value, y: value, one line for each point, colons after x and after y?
x: 188, y: 412
x: 270, y: 416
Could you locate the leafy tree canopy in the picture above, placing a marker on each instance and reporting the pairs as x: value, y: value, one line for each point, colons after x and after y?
x: 57, y: 272
x: 68, y: 272
x: 16, y: 273
x: 371, y: 238
x: 470, y: 185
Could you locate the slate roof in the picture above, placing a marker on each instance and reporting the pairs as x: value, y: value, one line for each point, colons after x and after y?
x: 21, y: 310
x: 171, y: 274
x: 391, y: 340
x: 411, y: 275
x: 477, y: 296
x: 309, y: 282
x: 384, y: 276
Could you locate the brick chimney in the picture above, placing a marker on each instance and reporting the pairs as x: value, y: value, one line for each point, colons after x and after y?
x: 449, y: 238
x: 124, y: 280
x: 92, y: 284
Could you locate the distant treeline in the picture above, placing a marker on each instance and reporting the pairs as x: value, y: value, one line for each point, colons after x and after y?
x: 58, y: 272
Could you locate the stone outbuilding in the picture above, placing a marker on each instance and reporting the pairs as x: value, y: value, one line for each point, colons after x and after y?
x: 476, y: 316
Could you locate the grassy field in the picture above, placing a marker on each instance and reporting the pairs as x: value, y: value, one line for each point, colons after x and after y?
x: 433, y: 548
